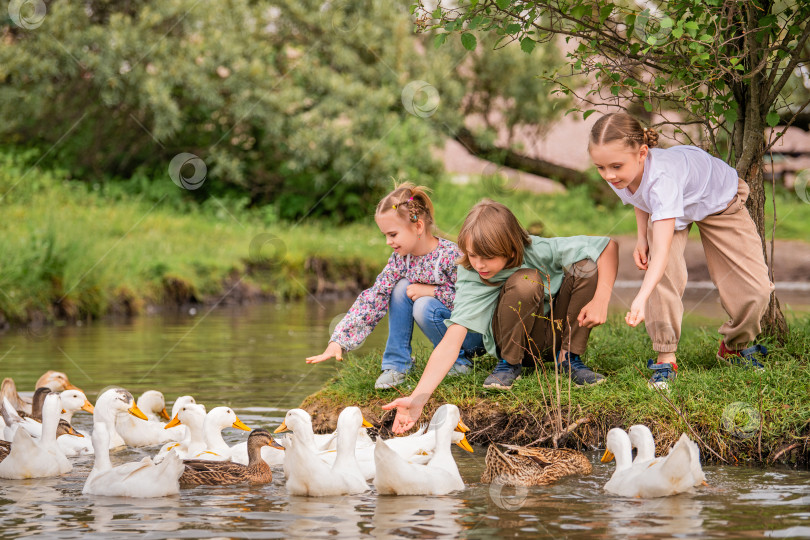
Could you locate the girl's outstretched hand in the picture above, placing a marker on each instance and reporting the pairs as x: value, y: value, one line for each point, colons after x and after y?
x: 636, y: 313
x: 333, y: 350
x: 408, y: 412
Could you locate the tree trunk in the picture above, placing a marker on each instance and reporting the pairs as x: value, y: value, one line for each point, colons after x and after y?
x: 750, y: 151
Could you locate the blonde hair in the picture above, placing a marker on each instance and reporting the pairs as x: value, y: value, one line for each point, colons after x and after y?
x: 410, y: 202
x: 622, y: 127
x: 492, y: 230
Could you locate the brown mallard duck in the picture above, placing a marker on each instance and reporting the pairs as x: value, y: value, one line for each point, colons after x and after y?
x: 200, y: 472
x: 525, y: 466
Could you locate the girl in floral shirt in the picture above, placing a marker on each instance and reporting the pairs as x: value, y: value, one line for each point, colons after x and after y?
x: 418, y: 284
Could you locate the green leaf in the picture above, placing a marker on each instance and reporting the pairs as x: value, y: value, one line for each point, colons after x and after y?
x: 513, y: 28
x: 580, y: 11
x: 527, y: 44
x: 439, y: 40
x: 648, y: 106
x: 651, y: 40
x: 667, y: 22
x: 615, y: 89
x: 587, y: 113
x: 469, y: 41
x: 677, y: 33
x: 503, y: 4
x: 731, y: 115
x: 605, y: 12
x: 772, y: 118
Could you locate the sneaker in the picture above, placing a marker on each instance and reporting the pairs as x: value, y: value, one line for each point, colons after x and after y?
x: 662, y: 374
x: 581, y: 375
x: 742, y: 357
x: 459, y: 369
x: 389, y: 379
x: 503, y: 376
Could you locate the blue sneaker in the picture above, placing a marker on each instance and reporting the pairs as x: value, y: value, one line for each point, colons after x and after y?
x: 662, y: 374
x: 744, y: 357
x: 581, y: 375
x: 503, y: 376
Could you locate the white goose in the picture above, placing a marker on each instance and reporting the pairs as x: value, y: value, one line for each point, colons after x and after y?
x: 215, y: 421
x: 395, y: 476
x: 72, y: 402
x: 29, y: 458
x: 642, y: 439
x: 308, y: 475
x: 662, y: 477
x: 191, y: 415
x: 102, y: 412
x: 137, y: 432
x: 138, y: 479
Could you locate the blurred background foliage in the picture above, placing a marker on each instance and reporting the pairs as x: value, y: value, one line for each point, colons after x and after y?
x: 293, y: 106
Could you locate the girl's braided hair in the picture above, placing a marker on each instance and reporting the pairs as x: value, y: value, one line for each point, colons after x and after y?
x: 409, y: 202
x: 622, y: 127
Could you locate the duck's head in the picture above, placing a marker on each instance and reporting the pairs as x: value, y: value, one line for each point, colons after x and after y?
x: 75, y: 400
x: 640, y: 435
x: 56, y: 381
x: 191, y: 414
x: 153, y: 402
x: 351, y: 419
x: 179, y: 402
x: 262, y: 437
x: 296, y: 420
x: 223, y: 417
x: 618, y: 444
x: 113, y: 402
x: 64, y: 428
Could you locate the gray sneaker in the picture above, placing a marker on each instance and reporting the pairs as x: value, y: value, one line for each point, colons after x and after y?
x: 503, y: 376
x: 389, y: 379
x: 581, y: 375
x: 459, y: 369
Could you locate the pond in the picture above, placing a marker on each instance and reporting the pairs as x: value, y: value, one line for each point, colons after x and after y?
x: 251, y: 358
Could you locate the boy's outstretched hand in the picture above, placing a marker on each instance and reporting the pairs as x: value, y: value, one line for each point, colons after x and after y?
x: 408, y: 412
x: 333, y: 350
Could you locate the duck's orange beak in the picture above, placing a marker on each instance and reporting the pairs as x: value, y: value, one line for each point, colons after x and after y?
x: 607, y: 457
x: 240, y: 425
x: 282, y: 427
x: 88, y: 406
x: 175, y: 422
x: 135, y: 411
x: 164, y: 414
x: 465, y: 444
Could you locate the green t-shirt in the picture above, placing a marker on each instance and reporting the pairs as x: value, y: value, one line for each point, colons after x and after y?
x: 475, y: 302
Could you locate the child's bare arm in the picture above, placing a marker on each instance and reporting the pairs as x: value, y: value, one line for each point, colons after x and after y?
x: 642, y: 250
x: 594, y: 312
x: 663, y: 231
x: 409, y: 408
x: 418, y: 290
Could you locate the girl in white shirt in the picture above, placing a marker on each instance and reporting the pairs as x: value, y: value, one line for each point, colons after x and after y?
x: 671, y: 189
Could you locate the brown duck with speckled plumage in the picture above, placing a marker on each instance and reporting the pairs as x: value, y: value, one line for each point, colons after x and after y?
x: 525, y: 466
x: 219, y: 473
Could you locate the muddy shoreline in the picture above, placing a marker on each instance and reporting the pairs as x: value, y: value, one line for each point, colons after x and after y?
x: 489, y: 422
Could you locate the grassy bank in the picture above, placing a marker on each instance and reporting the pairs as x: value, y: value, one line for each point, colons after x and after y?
x: 78, y: 250
x: 711, y: 401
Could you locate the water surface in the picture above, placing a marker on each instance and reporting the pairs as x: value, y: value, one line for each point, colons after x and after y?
x: 252, y: 359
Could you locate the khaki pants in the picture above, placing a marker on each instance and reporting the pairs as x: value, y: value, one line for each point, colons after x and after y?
x: 521, y: 331
x: 734, y: 256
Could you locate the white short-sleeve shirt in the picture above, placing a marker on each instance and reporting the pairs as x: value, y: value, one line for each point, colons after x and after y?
x: 682, y: 182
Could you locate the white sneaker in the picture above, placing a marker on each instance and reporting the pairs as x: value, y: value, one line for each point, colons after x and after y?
x: 389, y: 379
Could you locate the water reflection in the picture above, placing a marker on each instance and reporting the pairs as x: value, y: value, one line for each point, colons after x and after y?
x: 668, y: 516
x: 417, y: 517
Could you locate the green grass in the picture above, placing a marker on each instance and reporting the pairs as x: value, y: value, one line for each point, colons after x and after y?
x: 74, y: 249
x: 703, y: 392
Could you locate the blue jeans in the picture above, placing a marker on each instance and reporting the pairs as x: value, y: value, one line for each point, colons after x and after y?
x: 429, y: 314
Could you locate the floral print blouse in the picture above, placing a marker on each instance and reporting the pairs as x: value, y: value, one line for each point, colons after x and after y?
x: 435, y: 268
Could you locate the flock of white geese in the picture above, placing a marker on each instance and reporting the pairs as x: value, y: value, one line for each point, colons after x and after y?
x: 39, y: 441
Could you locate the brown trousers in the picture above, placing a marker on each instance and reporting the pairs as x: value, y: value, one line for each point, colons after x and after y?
x: 737, y: 267
x: 523, y: 333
